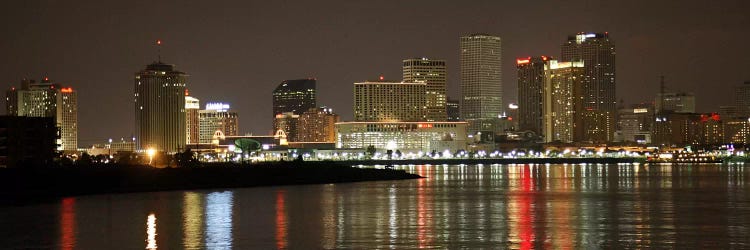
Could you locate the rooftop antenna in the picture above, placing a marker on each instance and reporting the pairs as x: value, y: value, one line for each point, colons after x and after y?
x: 158, y: 50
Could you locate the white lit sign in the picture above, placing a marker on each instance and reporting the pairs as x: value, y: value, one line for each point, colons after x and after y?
x: 218, y: 106
x: 637, y: 111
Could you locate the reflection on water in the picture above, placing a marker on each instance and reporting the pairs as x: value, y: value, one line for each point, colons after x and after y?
x: 468, y: 206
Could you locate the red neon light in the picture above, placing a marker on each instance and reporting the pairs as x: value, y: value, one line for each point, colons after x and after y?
x: 520, y: 61
x: 424, y: 125
x: 66, y: 90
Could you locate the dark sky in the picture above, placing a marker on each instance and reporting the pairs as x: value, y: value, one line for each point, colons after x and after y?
x: 239, y: 51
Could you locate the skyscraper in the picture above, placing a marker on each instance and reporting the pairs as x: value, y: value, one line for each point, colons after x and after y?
x: 217, y: 117
x: 530, y: 88
x: 562, y: 103
x: 47, y: 99
x: 192, y: 123
x: 742, y: 99
x: 286, y: 122
x: 432, y: 72
x: 160, y: 108
x: 481, y: 81
x: 389, y: 101
x: 597, y: 52
x: 317, y: 125
x: 296, y: 96
x: 453, y: 110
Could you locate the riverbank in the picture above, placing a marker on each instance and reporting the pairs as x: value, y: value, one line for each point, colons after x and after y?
x: 18, y: 185
x: 471, y: 161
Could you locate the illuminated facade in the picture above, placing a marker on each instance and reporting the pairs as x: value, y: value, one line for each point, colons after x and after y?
x: 317, y: 125
x: 434, y: 73
x: 192, y: 123
x: 675, y: 102
x: 47, y: 99
x: 217, y: 117
x: 562, y: 102
x: 737, y: 131
x: 286, y: 122
x: 530, y: 86
x: 402, y: 136
x: 385, y: 101
x: 635, y: 124
x: 481, y: 81
x: 160, y: 108
x: 294, y: 96
x: 597, y: 51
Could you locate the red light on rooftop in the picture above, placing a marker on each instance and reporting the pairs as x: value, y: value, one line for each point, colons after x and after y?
x: 158, y: 42
x: 522, y: 61
x: 187, y: 93
x: 381, y: 78
x: 46, y: 78
x: 544, y: 58
x: 66, y: 90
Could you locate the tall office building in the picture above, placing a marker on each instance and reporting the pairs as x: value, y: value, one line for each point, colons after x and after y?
x: 597, y: 52
x: 389, y: 101
x: 742, y: 99
x: 160, y: 108
x: 296, y: 96
x: 453, y: 110
x: 217, y: 117
x: 317, y: 125
x: 481, y: 81
x: 434, y: 73
x: 530, y: 87
x: 47, y: 99
x: 675, y: 102
x: 562, y: 102
x: 192, y: 123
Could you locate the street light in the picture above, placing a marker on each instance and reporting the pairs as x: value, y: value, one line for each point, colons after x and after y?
x: 150, y: 152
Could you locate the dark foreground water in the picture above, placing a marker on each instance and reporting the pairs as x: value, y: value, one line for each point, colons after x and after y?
x: 498, y: 206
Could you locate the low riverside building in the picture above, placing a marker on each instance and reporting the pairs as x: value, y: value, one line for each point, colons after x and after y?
x: 27, y: 141
x: 403, y: 136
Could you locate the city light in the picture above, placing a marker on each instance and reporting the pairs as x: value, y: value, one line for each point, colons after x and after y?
x: 150, y: 152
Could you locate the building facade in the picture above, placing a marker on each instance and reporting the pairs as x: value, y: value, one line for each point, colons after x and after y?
x: 387, y: 101
x: 453, y: 110
x: 27, y: 141
x: 317, y: 125
x: 675, y: 102
x: 481, y: 81
x: 403, y: 136
x: 562, y: 104
x: 192, y: 123
x: 597, y: 51
x: 286, y: 122
x: 160, y: 108
x: 217, y: 117
x: 530, y: 87
x: 296, y: 96
x: 635, y: 124
x: 434, y: 73
x: 47, y: 99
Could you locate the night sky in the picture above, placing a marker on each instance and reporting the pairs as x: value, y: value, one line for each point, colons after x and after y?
x: 238, y: 52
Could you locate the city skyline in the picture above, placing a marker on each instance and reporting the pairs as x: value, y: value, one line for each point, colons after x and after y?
x: 234, y: 71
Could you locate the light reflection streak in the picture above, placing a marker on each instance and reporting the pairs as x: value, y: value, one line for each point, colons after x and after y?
x: 424, y: 214
x: 68, y: 224
x: 151, y: 232
x: 281, y: 220
x: 192, y: 220
x: 328, y: 203
x: 219, y: 220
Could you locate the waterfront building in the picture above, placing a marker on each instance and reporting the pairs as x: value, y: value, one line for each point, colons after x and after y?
x: 597, y: 51
x: 562, y: 102
x: 737, y: 131
x: 317, y: 125
x: 453, y: 110
x: 634, y: 124
x: 192, y: 123
x: 296, y: 96
x: 481, y: 81
x: 217, y: 117
x: 47, y: 99
x: 675, y: 102
x: 27, y: 141
x: 530, y: 87
x: 388, y: 101
x: 287, y: 124
x: 434, y: 73
x: 160, y: 108
x: 403, y: 136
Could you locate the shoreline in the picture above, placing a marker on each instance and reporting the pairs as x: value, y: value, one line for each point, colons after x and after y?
x: 21, y: 185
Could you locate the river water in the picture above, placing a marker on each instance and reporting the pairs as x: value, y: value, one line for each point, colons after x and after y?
x: 467, y: 206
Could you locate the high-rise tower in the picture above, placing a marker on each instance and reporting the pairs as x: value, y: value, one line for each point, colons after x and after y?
x: 432, y: 72
x: 160, y: 108
x: 530, y: 88
x: 562, y: 102
x: 192, y: 122
x: 597, y: 52
x: 388, y: 101
x: 296, y: 96
x: 481, y: 81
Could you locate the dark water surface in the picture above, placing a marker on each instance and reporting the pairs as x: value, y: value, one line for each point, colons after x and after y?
x: 498, y: 206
